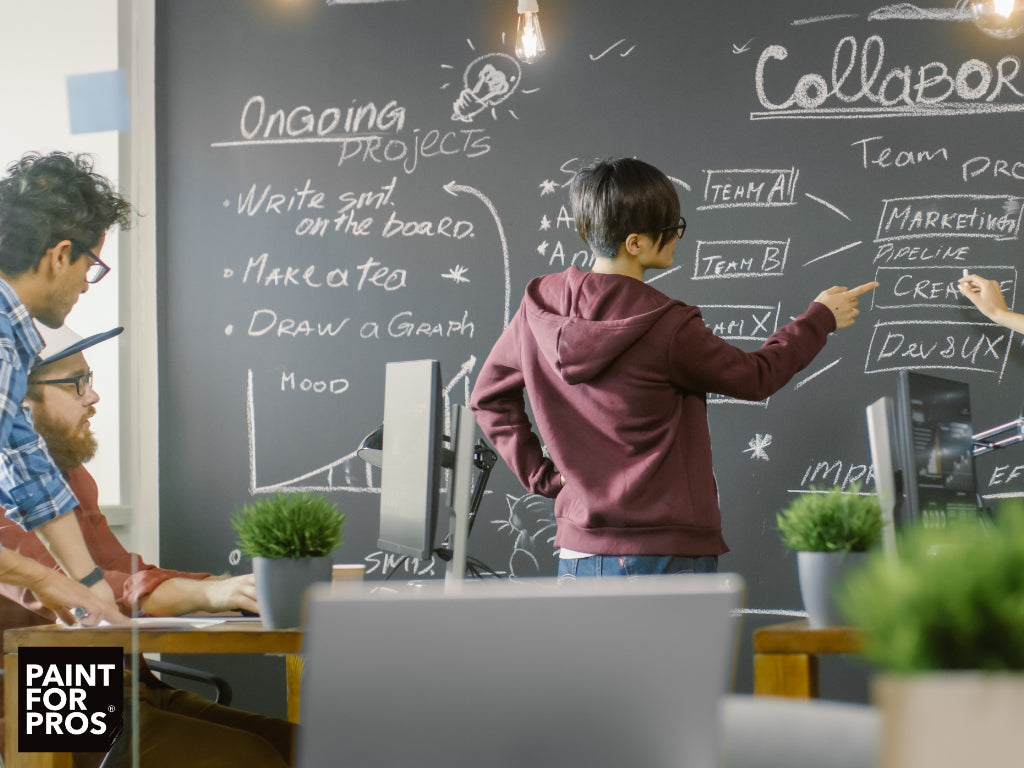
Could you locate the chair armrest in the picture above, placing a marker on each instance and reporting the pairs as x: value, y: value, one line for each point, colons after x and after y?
x: 222, y: 689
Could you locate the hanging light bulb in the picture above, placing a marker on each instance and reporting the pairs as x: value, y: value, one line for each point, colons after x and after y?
x: 1000, y: 18
x: 529, y: 41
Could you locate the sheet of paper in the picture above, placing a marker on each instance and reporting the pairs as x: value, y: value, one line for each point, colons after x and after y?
x: 195, y: 622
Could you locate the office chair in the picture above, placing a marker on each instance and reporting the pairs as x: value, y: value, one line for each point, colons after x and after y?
x: 221, y: 690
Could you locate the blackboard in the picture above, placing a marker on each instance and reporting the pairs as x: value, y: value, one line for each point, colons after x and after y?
x: 346, y: 184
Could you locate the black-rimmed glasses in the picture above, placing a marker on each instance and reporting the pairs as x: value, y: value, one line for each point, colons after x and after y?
x: 97, y: 270
x: 679, y: 228
x: 82, y: 383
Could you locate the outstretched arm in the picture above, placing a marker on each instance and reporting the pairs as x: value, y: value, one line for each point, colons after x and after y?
x: 178, y: 596
x: 56, y: 591
x: 987, y: 296
x: 843, y: 302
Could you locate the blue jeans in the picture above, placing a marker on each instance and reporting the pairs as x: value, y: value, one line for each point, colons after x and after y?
x: 633, y: 565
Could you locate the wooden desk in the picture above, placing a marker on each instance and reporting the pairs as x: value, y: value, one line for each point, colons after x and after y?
x: 786, y: 656
x: 227, y: 637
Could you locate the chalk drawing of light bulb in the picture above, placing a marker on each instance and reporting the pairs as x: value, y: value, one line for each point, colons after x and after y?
x: 487, y: 82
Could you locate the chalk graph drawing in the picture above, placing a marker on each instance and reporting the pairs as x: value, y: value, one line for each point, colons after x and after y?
x: 347, y: 473
x: 531, y: 522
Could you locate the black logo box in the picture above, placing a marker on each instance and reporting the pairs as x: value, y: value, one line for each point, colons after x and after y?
x: 69, y: 699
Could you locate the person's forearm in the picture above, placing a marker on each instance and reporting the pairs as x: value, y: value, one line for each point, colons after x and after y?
x: 63, y: 538
x: 19, y: 570
x: 175, y: 597
x: 1009, y: 318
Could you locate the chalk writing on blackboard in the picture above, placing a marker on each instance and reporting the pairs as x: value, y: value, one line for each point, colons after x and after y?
x: 830, y: 472
x: 366, y: 133
x: 747, y: 322
x: 886, y: 157
x: 857, y: 87
x: 740, y: 258
x: 938, y: 344
x: 915, y: 286
x: 995, y: 217
x: 749, y: 188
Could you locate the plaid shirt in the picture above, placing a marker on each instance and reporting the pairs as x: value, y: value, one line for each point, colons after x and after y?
x: 32, y: 489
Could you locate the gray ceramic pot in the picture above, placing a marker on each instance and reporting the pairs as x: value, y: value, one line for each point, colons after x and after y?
x: 281, y: 586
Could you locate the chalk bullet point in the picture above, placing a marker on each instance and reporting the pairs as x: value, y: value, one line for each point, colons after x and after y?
x: 228, y: 330
x: 227, y: 203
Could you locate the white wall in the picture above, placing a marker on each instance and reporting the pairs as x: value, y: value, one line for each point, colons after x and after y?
x: 43, y: 42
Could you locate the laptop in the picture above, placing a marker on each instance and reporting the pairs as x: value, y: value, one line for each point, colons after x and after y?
x: 508, y: 674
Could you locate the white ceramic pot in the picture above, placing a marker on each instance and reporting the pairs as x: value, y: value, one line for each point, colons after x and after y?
x: 950, y: 719
x: 819, y: 573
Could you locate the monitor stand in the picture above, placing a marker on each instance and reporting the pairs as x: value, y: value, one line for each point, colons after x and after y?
x: 464, y: 441
x: 887, y: 481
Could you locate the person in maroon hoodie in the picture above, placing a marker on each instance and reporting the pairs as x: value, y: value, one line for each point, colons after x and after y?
x: 617, y: 374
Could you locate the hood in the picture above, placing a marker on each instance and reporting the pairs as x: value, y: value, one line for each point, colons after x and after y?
x: 583, y: 322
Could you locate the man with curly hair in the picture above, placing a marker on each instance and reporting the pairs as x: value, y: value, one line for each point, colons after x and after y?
x: 54, y: 215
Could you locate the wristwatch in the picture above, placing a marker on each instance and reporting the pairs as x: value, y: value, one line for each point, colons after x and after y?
x: 92, y: 577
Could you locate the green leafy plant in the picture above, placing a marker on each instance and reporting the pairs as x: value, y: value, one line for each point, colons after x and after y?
x: 831, y: 521
x: 289, y: 525
x: 952, y: 600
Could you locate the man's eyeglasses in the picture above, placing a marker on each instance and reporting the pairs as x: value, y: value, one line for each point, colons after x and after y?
x: 82, y: 383
x: 679, y: 228
x: 97, y: 270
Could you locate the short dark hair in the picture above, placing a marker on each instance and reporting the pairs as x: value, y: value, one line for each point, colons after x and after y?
x: 48, y: 198
x: 612, y: 199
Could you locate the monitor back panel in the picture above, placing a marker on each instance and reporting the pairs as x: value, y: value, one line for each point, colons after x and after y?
x: 599, y: 673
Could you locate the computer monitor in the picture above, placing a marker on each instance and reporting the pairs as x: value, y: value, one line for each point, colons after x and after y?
x: 411, y: 457
x: 416, y: 457
x: 922, y: 447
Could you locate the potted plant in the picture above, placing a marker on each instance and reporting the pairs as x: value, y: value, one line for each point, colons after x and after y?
x: 290, y: 538
x: 945, y: 623
x: 824, y: 527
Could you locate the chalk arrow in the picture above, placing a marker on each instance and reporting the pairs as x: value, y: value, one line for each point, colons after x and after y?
x: 454, y: 189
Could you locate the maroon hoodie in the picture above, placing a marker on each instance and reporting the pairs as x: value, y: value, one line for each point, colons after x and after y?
x: 617, y: 375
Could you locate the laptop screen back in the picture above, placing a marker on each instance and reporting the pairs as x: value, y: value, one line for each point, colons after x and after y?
x: 606, y: 672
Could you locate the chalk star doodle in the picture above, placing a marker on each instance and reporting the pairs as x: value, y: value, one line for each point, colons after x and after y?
x: 457, y: 274
x: 547, y: 187
x: 757, y: 445
x: 542, y: 249
x: 545, y: 223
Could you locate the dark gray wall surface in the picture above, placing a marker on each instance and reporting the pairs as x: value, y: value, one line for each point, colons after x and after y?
x: 304, y: 255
